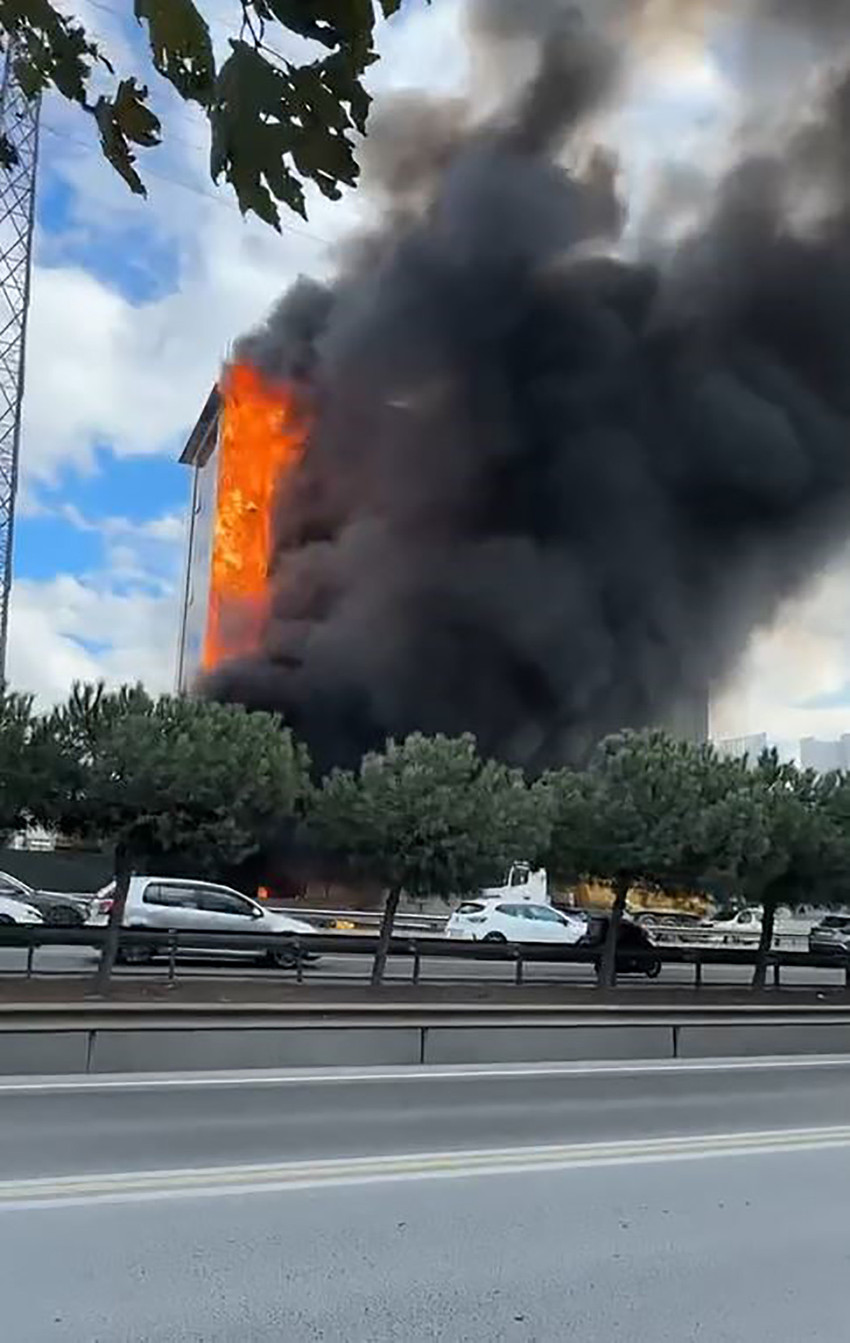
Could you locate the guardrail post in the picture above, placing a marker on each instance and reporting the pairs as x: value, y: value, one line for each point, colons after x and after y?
x: 777, y: 979
x: 518, y: 977
x: 172, y: 955
x: 299, y: 962
x: 417, y: 961
x: 847, y: 975
x: 30, y: 954
x: 698, y: 972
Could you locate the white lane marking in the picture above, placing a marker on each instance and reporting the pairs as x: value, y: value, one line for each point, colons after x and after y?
x: 136, y: 1186
x: 413, y: 1073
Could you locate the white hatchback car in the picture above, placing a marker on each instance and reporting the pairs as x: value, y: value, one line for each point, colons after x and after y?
x: 502, y: 921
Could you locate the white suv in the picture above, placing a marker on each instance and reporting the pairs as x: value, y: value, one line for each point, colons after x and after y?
x: 502, y: 921
x: 185, y: 906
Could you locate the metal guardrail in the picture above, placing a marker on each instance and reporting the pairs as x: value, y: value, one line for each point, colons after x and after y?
x: 676, y: 934
x: 661, y: 932
x: 363, y: 918
x: 175, y: 943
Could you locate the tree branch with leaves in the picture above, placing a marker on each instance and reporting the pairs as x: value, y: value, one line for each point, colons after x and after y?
x: 276, y: 124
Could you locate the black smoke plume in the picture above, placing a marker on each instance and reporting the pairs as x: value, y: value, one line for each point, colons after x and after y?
x: 551, y: 485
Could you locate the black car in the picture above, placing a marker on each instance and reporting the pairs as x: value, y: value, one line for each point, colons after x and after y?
x: 57, y: 910
x: 636, y: 952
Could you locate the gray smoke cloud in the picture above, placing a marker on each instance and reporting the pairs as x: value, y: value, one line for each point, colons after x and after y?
x: 552, y: 486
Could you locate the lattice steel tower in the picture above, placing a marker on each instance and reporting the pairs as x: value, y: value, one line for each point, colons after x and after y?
x: 19, y: 123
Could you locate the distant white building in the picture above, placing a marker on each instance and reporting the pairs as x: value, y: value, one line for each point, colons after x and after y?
x: 35, y: 839
x: 824, y: 756
x: 750, y: 747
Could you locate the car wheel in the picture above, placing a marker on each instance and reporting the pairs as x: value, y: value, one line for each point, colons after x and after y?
x: 653, y: 970
x: 65, y: 918
x: 136, y: 955
x: 284, y: 959
x: 494, y: 937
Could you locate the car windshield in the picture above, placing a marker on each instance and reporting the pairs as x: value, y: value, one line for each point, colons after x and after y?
x: 10, y: 886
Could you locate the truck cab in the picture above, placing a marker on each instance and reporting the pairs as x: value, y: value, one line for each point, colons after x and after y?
x: 522, y: 885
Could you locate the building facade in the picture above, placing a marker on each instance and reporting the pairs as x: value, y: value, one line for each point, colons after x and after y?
x: 201, y: 455
x: 688, y: 719
x: 750, y: 747
x: 825, y: 756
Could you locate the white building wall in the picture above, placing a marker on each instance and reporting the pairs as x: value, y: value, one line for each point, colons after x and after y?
x: 749, y: 746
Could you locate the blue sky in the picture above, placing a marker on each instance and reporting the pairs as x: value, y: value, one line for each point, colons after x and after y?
x: 134, y: 305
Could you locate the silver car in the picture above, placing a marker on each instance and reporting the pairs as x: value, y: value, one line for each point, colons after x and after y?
x: 831, y: 936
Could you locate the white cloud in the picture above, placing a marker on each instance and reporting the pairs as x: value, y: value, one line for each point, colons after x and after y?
x: 804, y: 656
x: 169, y: 528
x: 69, y: 628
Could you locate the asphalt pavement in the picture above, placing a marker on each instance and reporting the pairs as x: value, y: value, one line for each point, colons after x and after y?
x: 100, y: 1125
x: 662, y: 1203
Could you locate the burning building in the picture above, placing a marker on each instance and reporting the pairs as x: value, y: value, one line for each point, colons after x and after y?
x: 237, y: 451
x: 525, y: 467
x: 242, y: 443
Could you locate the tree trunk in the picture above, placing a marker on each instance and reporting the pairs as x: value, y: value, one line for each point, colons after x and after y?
x: 768, y: 918
x: 380, y: 962
x: 608, y: 971
x: 123, y: 872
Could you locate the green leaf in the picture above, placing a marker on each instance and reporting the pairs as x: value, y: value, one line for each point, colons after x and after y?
x: 262, y: 116
x: 51, y: 48
x: 122, y: 121
x: 180, y: 45
x: 334, y: 23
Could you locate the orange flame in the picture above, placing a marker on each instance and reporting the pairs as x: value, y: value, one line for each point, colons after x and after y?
x: 261, y: 435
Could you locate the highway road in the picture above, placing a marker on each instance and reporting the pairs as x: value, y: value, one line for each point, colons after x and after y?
x: 662, y: 1203
x: 65, y: 960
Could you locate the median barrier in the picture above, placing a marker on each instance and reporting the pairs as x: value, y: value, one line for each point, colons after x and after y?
x: 101, y: 1039
x: 404, y: 947
x: 746, y: 1040
x: 275, y: 1046
x: 545, y: 1044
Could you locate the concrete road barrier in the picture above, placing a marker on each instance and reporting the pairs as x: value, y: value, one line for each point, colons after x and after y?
x: 130, y: 1038
x: 544, y: 1044
x: 293, y: 1047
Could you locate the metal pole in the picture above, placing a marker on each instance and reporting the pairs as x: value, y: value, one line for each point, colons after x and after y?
x: 19, y: 123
